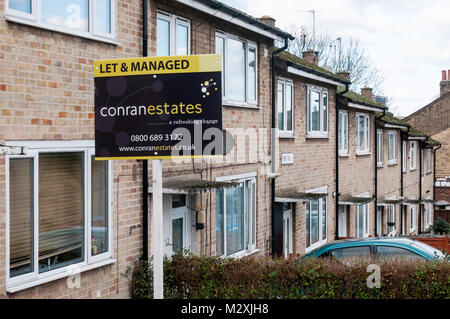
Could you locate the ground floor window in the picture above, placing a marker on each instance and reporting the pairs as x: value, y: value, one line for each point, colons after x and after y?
x: 413, y: 217
x: 362, y: 220
x: 236, y: 218
x: 316, y: 221
x: 391, y: 219
x: 58, y: 211
x: 428, y: 214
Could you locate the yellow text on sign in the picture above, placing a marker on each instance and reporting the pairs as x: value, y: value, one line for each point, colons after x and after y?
x: 158, y: 65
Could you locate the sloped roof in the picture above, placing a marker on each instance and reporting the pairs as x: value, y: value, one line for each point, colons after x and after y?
x: 391, y: 119
x: 427, y: 106
x: 359, y: 99
x: 309, y: 67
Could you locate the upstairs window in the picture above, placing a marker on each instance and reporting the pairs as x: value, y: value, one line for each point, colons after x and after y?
x: 343, y: 133
x: 413, y: 155
x: 239, y: 65
x: 173, y: 35
x: 380, y: 146
x: 86, y: 18
x: 317, y: 112
x: 362, y: 133
x: 428, y: 160
x: 285, y: 108
x: 404, y: 156
x: 392, y: 151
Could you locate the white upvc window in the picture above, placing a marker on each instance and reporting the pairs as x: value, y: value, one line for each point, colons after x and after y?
x: 287, y: 229
x: 285, y: 100
x: 380, y: 146
x: 391, y: 220
x: 362, y: 220
x: 317, y: 112
x: 343, y: 133
x: 412, y: 155
x: 428, y: 160
x: 316, y: 223
x: 428, y: 214
x: 236, y: 218
x: 404, y: 157
x: 173, y: 35
x: 392, y: 147
x: 362, y: 134
x: 93, y: 19
x: 239, y: 70
x: 413, y: 218
x: 59, y: 214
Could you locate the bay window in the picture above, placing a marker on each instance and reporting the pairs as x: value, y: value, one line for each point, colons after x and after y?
x: 392, y: 147
x: 362, y: 220
x: 93, y: 19
x: 343, y: 133
x: 239, y: 69
x: 58, y: 213
x: 317, y: 112
x: 362, y: 134
x: 316, y: 222
x: 380, y: 146
x: 236, y: 219
x: 173, y: 35
x: 285, y: 100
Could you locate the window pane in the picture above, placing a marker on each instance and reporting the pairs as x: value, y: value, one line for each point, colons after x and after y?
x: 220, y: 46
x: 103, y: 16
x: 177, y: 235
x: 314, y: 109
x: 314, y: 221
x: 72, y: 14
x: 345, y: 131
x: 178, y: 200
x: 361, y: 139
x: 308, y: 224
x: 61, y: 210
x: 360, y: 221
x: 219, y: 223
x: 340, y: 129
x: 182, y: 40
x: 20, y: 5
x: 252, y: 74
x: 289, y: 107
x: 235, y: 72
x: 20, y: 216
x: 163, y: 38
x: 253, y: 213
x: 324, y: 218
x: 99, y: 207
x: 280, y: 106
x: 325, y: 112
x: 235, y: 219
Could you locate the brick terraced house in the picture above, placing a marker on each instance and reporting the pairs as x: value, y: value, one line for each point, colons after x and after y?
x: 303, y: 170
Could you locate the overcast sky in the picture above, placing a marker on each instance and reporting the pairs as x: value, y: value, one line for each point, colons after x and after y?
x: 408, y: 40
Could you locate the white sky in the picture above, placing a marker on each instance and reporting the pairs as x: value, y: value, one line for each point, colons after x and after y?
x: 408, y: 40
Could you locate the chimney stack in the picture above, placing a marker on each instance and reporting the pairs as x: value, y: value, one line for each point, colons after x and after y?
x: 367, y: 93
x: 268, y: 20
x: 344, y: 74
x: 311, y: 56
x: 445, y: 83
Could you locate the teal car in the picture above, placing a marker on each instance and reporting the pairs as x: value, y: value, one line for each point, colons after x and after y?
x: 378, y: 248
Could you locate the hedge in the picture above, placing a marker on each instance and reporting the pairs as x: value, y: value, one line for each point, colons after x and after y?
x: 194, y: 277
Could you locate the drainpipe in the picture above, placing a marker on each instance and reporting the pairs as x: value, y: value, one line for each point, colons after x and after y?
x: 376, y: 119
x: 401, y: 179
x: 434, y: 176
x: 336, y: 231
x: 274, y: 75
x: 420, y: 188
x: 144, y: 162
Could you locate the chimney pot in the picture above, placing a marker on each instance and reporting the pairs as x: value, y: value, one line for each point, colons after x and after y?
x: 268, y: 20
x: 444, y: 75
x: 367, y: 93
x: 311, y: 56
x: 445, y: 82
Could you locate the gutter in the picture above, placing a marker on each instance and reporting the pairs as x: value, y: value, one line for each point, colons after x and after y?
x: 434, y: 176
x: 144, y: 162
x: 272, y: 199
x: 336, y: 231
x: 375, y: 120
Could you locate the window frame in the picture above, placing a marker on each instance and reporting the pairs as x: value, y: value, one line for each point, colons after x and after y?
x: 343, y: 138
x: 366, y: 221
x: 174, y: 21
x: 251, y: 248
x: 321, y: 133
x: 394, y: 159
x: 226, y: 101
x: 404, y: 157
x: 35, y: 19
x: 428, y: 160
x: 380, y: 147
x: 89, y: 261
x: 412, y: 221
x: 288, y: 238
x: 366, y: 132
x: 412, y: 155
x: 321, y: 202
x: 285, y: 133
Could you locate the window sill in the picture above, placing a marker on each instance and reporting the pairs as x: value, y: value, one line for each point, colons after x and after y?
x: 392, y: 163
x: 344, y: 154
x: 380, y: 165
x: 428, y: 173
x: 245, y: 105
x: 242, y: 254
x: 64, y: 273
x: 283, y: 135
x: 412, y: 169
x: 363, y: 153
x: 412, y: 230
x: 31, y: 23
x: 317, y: 136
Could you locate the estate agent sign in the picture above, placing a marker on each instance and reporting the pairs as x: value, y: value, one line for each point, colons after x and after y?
x: 158, y: 107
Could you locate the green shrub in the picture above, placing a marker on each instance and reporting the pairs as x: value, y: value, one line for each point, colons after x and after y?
x: 193, y: 277
x: 441, y: 226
